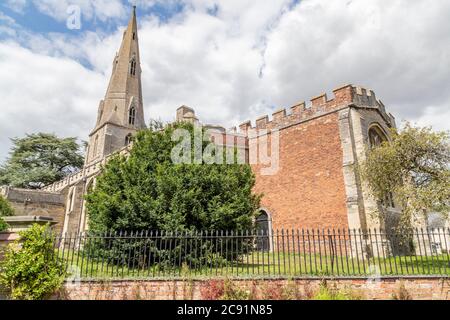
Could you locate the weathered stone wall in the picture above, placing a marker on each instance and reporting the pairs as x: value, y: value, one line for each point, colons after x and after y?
x: 362, y: 120
x: 385, y: 289
x: 74, y: 218
x: 38, y: 203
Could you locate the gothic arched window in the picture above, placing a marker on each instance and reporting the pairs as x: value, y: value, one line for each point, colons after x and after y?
x: 133, y: 67
x: 132, y: 116
x: 376, y: 137
x: 128, y: 139
x: 95, y: 146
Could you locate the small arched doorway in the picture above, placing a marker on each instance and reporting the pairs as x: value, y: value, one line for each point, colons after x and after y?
x: 263, y: 227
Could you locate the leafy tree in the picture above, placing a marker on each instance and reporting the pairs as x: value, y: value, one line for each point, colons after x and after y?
x: 414, y: 167
x: 5, y: 211
x: 31, y: 270
x: 147, y: 191
x: 40, y: 159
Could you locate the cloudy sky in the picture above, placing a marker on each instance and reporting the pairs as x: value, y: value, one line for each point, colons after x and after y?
x: 232, y: 60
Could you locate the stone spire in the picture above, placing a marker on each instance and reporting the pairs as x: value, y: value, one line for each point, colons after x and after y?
x: 121, y: 113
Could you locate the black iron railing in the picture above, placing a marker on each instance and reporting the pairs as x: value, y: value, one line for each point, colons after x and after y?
x: 277, y: 253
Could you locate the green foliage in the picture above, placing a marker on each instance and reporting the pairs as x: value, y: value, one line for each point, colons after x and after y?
x: 5, y: 208
x: 415, y: 168
x: 31, y: 270
x: 326, y: 293
x: 5, y: 211
x: 148, y: 191
x: 40, y: 159
x: 3, y: 225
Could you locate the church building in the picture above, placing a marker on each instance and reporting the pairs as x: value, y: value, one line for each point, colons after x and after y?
x: 320, y: 146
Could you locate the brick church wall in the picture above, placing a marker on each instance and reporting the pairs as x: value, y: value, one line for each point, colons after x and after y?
x: 320, y: 145
x: 308, y: 191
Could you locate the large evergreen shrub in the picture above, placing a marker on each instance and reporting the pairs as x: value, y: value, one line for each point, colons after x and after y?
x: 148, y: 191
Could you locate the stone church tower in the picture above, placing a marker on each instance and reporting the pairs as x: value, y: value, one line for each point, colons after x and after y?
x: 121, y: 113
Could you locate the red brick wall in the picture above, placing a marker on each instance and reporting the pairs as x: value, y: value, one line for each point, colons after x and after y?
x: 308, y: 191
x: 386, y: 289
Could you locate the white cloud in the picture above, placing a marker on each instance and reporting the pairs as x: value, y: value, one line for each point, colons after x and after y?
x: 6, y: 19
x: 41, y: 93
x: 399, y: 48
x: 236, y: 60
x: 16, y: 5
x: 7, y: 25
x: 90, y: 9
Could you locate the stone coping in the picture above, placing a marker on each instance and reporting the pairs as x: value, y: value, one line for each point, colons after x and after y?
x: 9, y: 236
x: 26, y: 219
x: 263, y: 278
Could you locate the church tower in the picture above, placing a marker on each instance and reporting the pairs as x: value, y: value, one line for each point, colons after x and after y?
x: 121, y: 113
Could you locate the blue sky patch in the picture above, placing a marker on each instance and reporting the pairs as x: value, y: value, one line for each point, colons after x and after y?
x: 31, y: 19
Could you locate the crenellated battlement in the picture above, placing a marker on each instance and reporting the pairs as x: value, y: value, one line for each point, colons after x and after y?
x: 344, y: 96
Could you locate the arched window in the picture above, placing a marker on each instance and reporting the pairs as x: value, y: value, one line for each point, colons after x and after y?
x: 133, y: 67
x: 95, y: 146
x: 263, y: 231
x: 376, y: 137
x: 132, y: 116
x: 128, y: 139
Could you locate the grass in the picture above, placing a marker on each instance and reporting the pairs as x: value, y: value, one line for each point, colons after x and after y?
x: 268, y: 264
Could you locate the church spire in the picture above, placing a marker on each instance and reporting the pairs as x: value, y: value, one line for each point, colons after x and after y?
x: 126, y: 76
x: 121, y: 113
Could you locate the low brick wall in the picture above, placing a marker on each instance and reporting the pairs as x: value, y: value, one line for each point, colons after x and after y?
x: 384, y: 289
